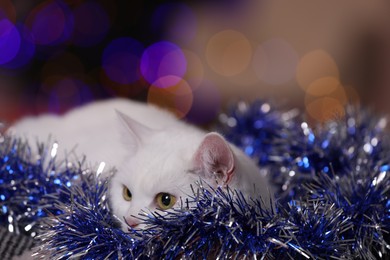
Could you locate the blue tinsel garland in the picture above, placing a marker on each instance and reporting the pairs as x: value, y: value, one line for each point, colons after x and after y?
x: 332, y: 184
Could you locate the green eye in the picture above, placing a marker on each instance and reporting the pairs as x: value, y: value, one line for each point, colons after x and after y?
x: 165, y: 200
x: 126, y: 193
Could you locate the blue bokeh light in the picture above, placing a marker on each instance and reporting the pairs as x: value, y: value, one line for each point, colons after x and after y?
x: 26, y: 51
x: 121, y: 59
x: 9, y: 41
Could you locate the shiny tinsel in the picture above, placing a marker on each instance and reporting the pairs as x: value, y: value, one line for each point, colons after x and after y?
x: 31, y: 183
x: 332, y: 184
x: 344, y: 163
x: 219, y: 224
x: 28, y: 186
x: 284, y: 144
x: 85, y: 228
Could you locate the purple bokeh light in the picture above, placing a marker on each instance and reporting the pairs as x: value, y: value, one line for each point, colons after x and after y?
x: 163, y: 59
x: 26, y: 51
x: 176, y: 20
x: 206, y: 104
x: 121, y: 59
x: 51, y: 23
x: 67, y: 93
x: 91, y: 24
x: 9, y: 41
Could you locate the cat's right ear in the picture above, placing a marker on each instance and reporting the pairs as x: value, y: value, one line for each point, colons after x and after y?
x: 215, y: 160
x: 137, y: 131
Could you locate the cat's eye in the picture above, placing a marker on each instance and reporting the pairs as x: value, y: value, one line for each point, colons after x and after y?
x: 126, y: 193
x: 165, y: 200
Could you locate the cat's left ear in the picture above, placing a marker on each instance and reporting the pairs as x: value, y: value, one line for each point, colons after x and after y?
x: 215, y: 160
x: 137, y: 131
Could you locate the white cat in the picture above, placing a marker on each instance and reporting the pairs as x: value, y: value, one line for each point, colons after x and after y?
x: 157, y: 157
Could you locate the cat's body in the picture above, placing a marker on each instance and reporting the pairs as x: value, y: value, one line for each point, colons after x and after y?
x: 153, y: 152
x: 93, y: 130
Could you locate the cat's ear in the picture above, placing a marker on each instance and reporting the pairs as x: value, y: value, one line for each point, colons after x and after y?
x: 214, y: 159
x: 137, y: 131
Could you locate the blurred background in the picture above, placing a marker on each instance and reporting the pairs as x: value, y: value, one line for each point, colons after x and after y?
x: 194, y: 57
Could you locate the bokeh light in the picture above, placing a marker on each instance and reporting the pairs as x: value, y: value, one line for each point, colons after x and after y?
x: 163, y: 64
x: 177, y: 20
x: 64, y: 83
x: 346, y: 95
x: 177, y: 99
x: 194, y: 56
x: 324, y: 109
x: 195, y: 70
x: 121, y: 60
x: 7, y: 10
x: 326, y: 99
x: 228, y: 52
x: 91, y: 24
x: 26, y: 51
x: 9, y: 41
x: 275, y: 62
x: 50, y: 22
x: 315, y: 65
x: 323, y: 86
x: 206, y: 104
x: 62, y: 93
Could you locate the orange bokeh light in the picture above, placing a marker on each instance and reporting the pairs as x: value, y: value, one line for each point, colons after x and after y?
x: 177, y: 99
x: 316, y: 65
x: 346, y: 95
x: 195, y: 71
x: 229, y: 52
x: 324, y: 109
x: 323, y: 86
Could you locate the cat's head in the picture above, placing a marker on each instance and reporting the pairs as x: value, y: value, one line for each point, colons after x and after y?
x: 162, y: 165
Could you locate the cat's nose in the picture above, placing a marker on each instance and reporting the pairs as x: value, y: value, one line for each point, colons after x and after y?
x: 132, y: 222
